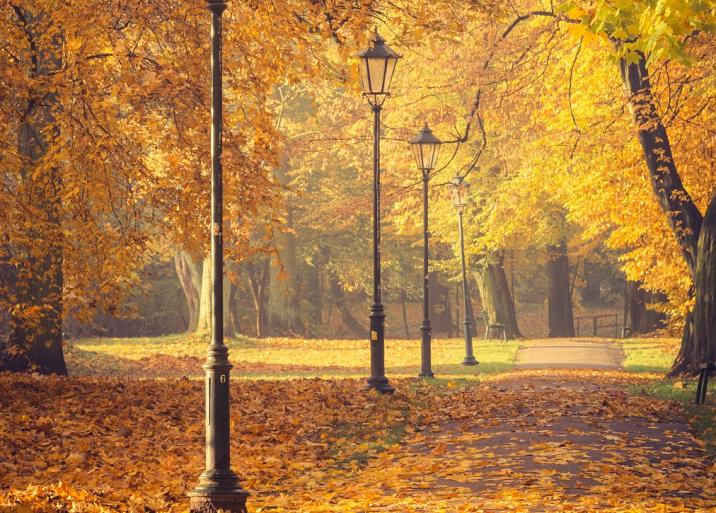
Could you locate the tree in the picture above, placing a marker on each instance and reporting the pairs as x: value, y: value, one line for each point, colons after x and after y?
x: 642, y: 316
x: 560, y: 317
x: 35, y: 340
x: 110, y: 103
x: 495, y: 294
x: 190, y: 275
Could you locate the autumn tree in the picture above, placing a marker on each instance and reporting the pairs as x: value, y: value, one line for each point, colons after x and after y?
x: 104, y: 145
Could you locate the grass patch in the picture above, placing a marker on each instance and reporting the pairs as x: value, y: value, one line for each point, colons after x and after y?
x: 649, y: 355
x: 285, y: 358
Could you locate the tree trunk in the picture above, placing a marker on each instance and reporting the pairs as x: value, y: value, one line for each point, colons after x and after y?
x: 190, y: 277
x: 682, y: 214
x: 347, y: 318
x: 35, y: 340
x: 701, y: 324
x: 203, y: 324
x: 235, y: 308
x: 404, y: 310
x: 449, y: 313
x: 283, y: 307
x: 641, y: 318
x: 559, y: 302
x: 258, y: 278
x: 313, y: 295
x: 496, y: 299
x: 440, y: 316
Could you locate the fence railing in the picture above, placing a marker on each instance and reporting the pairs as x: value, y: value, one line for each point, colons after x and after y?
x: 591, y: 324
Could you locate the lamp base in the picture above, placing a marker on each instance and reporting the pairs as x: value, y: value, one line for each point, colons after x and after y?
x: 216, y: 504
x: 380, y: 384
x: 216, y: 493
x: 470, y: 360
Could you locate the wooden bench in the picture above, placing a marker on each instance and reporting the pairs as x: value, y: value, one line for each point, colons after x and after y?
x: 706, y: 369
x: 491, y: 328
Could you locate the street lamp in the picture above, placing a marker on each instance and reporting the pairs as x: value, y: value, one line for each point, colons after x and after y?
x: 218, y: 487
x: 377, y: 65
x: 425, y: 147
x: 459, y: 188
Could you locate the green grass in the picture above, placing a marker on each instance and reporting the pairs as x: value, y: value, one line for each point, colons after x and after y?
x: 649, y: 355
x: 283, y: 358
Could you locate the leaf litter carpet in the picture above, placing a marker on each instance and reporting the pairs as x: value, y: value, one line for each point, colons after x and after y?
x: 525, y: 441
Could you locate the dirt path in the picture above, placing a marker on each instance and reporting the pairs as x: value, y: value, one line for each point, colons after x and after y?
x: 553, y: 441
x: 569, y: 354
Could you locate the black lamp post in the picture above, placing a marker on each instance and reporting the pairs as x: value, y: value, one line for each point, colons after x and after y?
x: 218, y: 487
x: 377, y: 65
x: 425, y: 148
x: 458, y: 189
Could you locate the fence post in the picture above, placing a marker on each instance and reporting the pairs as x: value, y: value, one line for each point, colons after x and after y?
x: 594, y: 326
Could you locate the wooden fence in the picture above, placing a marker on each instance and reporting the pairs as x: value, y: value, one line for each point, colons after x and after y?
x: 592, y: 324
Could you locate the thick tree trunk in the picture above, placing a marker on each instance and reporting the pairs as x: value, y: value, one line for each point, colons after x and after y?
x: 701, y: 324
x: 203, y: 324
x: 449, y: 312
x: 358, y: 329
x: 559, y: 302
x: 496, y: 298
x: 235, y: 308
x: 189, y: 273
x: 313, y: 293
x: 257, y: 274
x: 283, y: 307
x: 643, y: 319
x: 682, y: 214
x: 35, y: 340
x: 440, y: 316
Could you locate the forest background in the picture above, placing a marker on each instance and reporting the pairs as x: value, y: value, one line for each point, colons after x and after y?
x: 585, y: 128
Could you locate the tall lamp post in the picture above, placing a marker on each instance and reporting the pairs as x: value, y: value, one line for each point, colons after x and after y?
x: 218, y: 487
x: 377, y: 65
x: 425, y: 147
x: 459, y: 188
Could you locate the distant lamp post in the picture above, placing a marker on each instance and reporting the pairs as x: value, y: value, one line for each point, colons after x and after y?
x: 218, y: 487
x: 425, y: 147
x: 459, y: 189
x: 377, y: 65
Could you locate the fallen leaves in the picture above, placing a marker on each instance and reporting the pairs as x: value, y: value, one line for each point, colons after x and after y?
x: 527, y: 441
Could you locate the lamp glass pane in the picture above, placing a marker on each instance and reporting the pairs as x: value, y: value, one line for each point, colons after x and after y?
x: 430, y: 155
x: 418, y: 155
x: 364, y: 79
x: 455, y: 193
x: 376, y: 74
x: 392, y: 61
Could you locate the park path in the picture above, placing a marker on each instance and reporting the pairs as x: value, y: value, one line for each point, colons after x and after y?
x: 569, y: 354
x: 539, y: 441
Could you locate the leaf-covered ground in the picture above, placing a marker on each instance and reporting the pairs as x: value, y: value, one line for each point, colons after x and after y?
x: 527, y: 441
x: 277, y: 358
